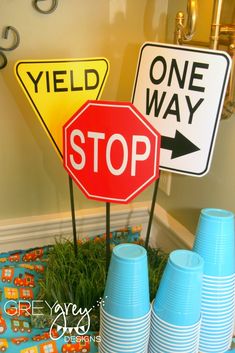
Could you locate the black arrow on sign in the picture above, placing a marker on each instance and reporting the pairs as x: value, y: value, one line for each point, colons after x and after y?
x: 179, y: 145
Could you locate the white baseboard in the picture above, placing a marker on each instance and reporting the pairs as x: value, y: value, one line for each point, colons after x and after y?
x: 23, y: 233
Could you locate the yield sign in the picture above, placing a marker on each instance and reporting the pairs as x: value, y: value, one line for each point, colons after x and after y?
x: 56, y: 88
x: 180, y: 90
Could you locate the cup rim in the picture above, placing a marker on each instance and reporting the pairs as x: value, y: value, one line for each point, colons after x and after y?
x: 218, y: 284
x: 214, y: 344
x: 177, y: 351
x: 104, y: 350
x: 214, y: 322
x: 111, y: 345
x: 211, y: 269
x: 227, y: 283
x: 166, y: 345
x: 124, y: 341
x: 178, y: 329
x: 146, y: 327
x: 122, y: 329
x: 220, y: 305
x: 211, y: 303
x: 124, y: 319
x: 219, y: 277
x: 216, y: 313
x: 217, y: 294
x: 171, y: 338
x: 173, y: 325
x: 166, y: 332
x: 175, y: 334
x: 115, y: 350
x: 206, y: 327
x: 209, y: 338
x: 219, y: 348
x: 214, y: 293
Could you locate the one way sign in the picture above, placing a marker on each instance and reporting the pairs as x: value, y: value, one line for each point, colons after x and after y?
x: 180, y: 90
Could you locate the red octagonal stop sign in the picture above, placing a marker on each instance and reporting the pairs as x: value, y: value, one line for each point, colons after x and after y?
x: 111, y: 151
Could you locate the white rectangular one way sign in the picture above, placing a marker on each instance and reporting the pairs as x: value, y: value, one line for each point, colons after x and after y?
x: 180, y: 90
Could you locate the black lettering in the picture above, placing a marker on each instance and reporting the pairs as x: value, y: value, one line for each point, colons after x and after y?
x: 35, y: 80
x: 73, y: 88
x: 191, y: 108
x: 59, y: 80
x: 164, y: 66
x: 154, y: 101
x: 197, y: 76
x: 47, y: 81
x: 91, y: 72
x: 174, y: 68
x: 174, y: 101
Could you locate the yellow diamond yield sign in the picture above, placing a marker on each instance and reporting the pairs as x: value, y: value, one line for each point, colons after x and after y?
x: 57, y: 88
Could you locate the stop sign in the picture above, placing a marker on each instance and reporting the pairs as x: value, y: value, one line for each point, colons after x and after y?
x: 111, y: 151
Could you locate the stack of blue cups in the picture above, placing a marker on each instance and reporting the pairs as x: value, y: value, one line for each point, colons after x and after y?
x: 176, y: 311
x: 215, y: 243
x: 125, y: 316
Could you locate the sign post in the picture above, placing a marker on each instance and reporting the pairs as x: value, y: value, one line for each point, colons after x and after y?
x: 111, y: 152
x: 180, y: 90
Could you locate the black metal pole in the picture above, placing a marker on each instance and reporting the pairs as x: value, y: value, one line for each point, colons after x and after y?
x: 108, y: 252
x: 152, y: 211
x: 73, y: 216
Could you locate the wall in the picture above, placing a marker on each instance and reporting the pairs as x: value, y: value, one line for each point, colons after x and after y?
x: 32, y: 179
x: 217, y: 188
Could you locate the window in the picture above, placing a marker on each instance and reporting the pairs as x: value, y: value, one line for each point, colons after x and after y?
x: 26, y: 292
x: 48, y: 348
x: 8, y: 272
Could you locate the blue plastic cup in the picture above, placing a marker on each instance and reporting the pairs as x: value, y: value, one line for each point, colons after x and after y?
x: 121, y: 322
x: 166, y: 337
x: 219, y: 279
x: 214, y: 241
x: 216, y: 323
x: 212, y: 346
x: 163, y: 326
x: 109, y: 345
x: 127, y: 286
x: 175, y: 347
x: 125, y: 334
x: 178, y: 299
x: 215, y: 334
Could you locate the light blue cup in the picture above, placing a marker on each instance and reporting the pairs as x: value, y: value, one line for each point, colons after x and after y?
x: 175, y: 347
x: 118, y: 348
x: 214, y: 241
x: 127, y: 286
x: 178, y: 299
